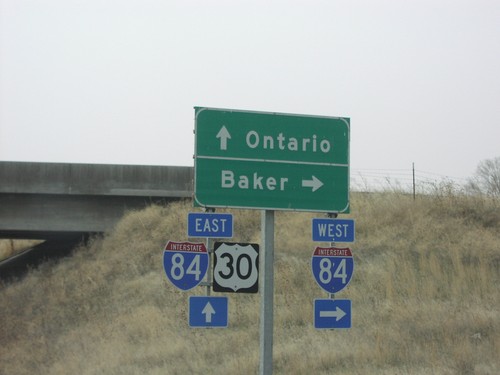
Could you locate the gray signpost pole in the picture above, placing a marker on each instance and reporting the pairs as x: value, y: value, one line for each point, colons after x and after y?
x: 209, y: 269
x: 267, y: 294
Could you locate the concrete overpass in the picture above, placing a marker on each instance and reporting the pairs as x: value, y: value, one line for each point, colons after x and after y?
x: 45, y: 200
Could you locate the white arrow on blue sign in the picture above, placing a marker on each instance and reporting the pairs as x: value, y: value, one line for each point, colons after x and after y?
x: 332, y: 230
x: 332, y: 313
x: 203, y: 224
x: 208, y: 312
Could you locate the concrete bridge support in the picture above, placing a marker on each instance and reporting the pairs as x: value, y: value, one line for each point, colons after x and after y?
x: 41, y: 200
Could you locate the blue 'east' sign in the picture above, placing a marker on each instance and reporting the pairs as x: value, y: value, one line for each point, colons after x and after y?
x: 333, y: 230
x: 203, y: 224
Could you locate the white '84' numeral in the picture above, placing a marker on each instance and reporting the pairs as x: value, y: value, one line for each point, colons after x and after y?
x: 177, y: 270
x: 325, y: 271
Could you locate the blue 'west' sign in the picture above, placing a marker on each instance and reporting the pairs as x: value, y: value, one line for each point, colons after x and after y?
x: 333, y: 230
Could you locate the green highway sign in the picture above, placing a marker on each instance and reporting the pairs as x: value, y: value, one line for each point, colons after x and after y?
x: 276, y: 161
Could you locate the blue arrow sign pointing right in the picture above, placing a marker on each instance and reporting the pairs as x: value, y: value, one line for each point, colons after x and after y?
x: 332, y: 313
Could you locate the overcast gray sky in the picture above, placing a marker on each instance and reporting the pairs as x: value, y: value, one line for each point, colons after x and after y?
x: 99, y: 81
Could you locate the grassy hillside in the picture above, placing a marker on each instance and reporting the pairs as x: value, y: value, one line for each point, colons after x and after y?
x: 425, y: 292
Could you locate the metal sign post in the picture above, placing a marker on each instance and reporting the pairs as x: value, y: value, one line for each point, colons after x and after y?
x: 274, y: 161
x: 208, y: 285
x: 267, y: 293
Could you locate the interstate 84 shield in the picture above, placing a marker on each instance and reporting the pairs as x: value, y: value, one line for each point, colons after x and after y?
x: 185, y: 263
x: 332, y: 268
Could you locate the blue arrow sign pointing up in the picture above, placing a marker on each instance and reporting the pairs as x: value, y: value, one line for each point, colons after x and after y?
x: 206, y: 312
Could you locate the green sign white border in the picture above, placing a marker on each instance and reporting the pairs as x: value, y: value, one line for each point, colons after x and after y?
x: 197, y: 203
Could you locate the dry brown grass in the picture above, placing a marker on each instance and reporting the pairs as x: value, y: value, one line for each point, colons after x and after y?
x: 425, y: 298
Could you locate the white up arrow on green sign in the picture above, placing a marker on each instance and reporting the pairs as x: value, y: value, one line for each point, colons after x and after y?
x: 274, y: 161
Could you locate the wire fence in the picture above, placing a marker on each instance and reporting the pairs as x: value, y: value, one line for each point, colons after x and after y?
x: 403, y: 180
